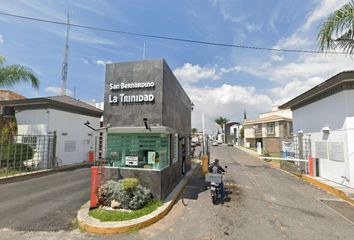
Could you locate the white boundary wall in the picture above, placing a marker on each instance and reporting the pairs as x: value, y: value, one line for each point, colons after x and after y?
x: 337, y: 113
x: 74, y: 139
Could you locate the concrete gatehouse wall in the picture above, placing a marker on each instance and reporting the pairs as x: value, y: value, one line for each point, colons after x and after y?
x: 171, y: 108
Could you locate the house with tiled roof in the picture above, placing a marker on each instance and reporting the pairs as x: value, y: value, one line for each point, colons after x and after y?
x: 7, y: 95
x: 62, y: 116
x: 268, y: 130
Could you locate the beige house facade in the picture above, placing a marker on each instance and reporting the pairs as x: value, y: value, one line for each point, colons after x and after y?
x: 269, y: 129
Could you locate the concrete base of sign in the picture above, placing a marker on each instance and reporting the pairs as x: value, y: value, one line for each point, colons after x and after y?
x: 93, y: 225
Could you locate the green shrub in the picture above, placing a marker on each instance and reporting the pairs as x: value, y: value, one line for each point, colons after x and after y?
x: 129, y: 183
x: 140, y: 197
x: 103, y: 195
x: 17, y: 152
x: 127, y: 192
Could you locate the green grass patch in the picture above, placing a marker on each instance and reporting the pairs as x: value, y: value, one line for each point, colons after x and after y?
x: 4, y: 173
x: 107, y: 216
x: 275, y: 154
x: 252, y: 148
x: 10, y: 173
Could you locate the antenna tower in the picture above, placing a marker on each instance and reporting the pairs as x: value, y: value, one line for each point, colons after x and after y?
x: 64, y: 75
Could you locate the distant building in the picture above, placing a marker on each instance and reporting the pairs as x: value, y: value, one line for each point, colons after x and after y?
x: 269, y: 129
x: 232, y: 132
x: 325, y: 114
x: 4, y: 96
x: 63, y: 116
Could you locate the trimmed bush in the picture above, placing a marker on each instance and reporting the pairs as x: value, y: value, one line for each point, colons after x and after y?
x: 127, y: 192
x: 103, y: 194
x: 17, y: 152
x: 129, y: 183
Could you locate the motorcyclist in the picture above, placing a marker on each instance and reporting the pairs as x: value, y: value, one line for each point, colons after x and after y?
x: 217, y: 169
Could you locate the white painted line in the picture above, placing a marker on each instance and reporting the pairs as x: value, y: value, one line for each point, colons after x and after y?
x: 286, y: 159
x: 347, y: 219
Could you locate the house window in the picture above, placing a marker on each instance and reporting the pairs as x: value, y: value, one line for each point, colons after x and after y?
x: 30, y: 140
x: 271, y: 128
x: 258, y: 128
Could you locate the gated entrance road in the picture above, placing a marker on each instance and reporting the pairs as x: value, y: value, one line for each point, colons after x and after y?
x: 266, y: 204
x: 46, y: 203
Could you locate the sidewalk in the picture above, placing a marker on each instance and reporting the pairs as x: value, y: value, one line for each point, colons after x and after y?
x: 39, y: 173
x: 343, y: 192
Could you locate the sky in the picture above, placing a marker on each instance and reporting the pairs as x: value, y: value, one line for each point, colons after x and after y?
x: 221, y: 81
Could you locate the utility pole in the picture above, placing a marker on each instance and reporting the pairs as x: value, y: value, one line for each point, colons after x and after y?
x: 64, y: 76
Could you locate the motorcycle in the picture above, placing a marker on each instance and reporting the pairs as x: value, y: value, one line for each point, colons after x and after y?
x: 215, y: 180
x: 215, y: 192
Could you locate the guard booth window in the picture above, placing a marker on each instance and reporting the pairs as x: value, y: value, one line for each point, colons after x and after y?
x: 135, y: 150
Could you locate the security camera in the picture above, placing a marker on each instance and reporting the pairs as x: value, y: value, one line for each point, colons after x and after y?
x: 146, y: 124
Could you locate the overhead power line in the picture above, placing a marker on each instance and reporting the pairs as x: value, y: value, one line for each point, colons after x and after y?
x: 169, y: 38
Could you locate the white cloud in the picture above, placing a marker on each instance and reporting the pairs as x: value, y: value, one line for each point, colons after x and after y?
x: 227, y: 101
x: 86, y: 37
x: 2, y: 39
x: 190, y: 73
x: 84, y: 60
x: 277, y: 58
x: 53, y: 11
x: 298, y: 76
x: 102, y: 62
x: 326, y: 7
x: 293, y: 89
x: 230, y: 12
x: 193, y: 73
x: 57, y: 91
x: 304, y: 67
x: 252, y: 28
x: 85, y: 7
x: 294, y: 41
x: 228, y: 70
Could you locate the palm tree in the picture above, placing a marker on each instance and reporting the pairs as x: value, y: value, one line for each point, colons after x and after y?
x: 15, y: 73
x: 221, y: 121
x: 338, y: 30
x: 9, y: 76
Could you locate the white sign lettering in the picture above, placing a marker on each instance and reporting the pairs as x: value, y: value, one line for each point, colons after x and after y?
x: 131, y: 160
x: 130, y: 98
x: 134, y: 85
x: 123, y: 98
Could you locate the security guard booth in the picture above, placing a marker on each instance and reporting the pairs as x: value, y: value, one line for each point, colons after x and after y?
x: 149, y: 115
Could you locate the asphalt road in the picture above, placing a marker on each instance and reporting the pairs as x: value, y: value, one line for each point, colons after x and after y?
x: 266, y: 204
x: 47, y: 203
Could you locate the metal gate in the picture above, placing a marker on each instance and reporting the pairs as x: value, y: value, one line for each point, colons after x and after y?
x: 23, y: 154
x: 298, y: 148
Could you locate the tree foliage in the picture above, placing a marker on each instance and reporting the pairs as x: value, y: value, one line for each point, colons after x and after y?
x: 221, y: 121
x: 15, y: 73
x: 194, y: 131
x: 338, y: 30
x: 242, y: 132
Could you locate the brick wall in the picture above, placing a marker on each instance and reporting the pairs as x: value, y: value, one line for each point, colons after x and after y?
x: 7, y: 95
x: 271, y: 144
